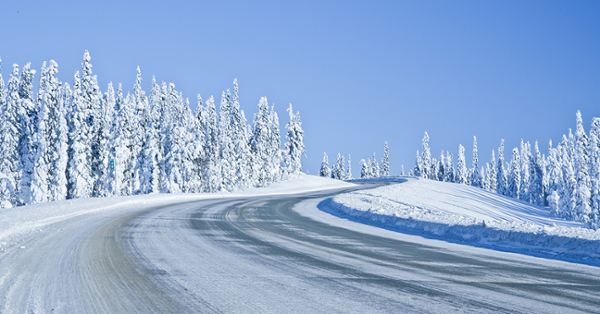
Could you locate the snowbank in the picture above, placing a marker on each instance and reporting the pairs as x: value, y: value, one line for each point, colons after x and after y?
x: 18, y: 221
x: 464, y: 214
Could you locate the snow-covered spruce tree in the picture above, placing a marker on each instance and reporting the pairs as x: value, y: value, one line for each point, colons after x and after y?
x: 110, y: 101
x: 582, y: 175
x: 442, y: 167
x: 79, y: 174
x: 401, y: 170
x: 295, y: 143
x: 275, y: 151
x: 91, y: 102
x: 425, y: 158
x: 49, y: 179
x: 121, y: 181
x: 461, y: 167
x: 525, y: 162
x: 449, y: 177
x: 149, y: 160
x: 493, y: 176
x: 241, y: 139
x: 195, y: 149
x: 536, y: 175
x: 212, y: 173
x: 227, y: 149
x: 417, y: 172
x: 349, y: 169
x: 514, y: 175
x: 568, y: 198
x: 385, y: 161
x: 41, y: 156
x: 260, y: 144
x: 373, y: 167
x: 10, y: 132
x: 190, y: 183
x: 338, y: 168
x: 325, y: 171
x: 174, y: 143
x: 555, y: 184
x: 28, y: 115
x: 501, y: 176
x: 364, y: 170
x: 434, y: 169
x: 485, y: 183
x: 595, y: 172
x: 475, y: 176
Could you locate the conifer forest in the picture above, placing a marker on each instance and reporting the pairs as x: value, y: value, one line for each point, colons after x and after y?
x: 76, y: 141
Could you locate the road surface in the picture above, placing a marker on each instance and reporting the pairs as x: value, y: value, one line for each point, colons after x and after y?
x: 273, y: 254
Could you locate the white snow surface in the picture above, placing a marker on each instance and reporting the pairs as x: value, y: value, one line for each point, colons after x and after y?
x: 465, y: 214
x: 17, y: 222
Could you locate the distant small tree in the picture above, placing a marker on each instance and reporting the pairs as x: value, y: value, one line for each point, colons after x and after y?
x: 385, y: 163
x: 325, y: 170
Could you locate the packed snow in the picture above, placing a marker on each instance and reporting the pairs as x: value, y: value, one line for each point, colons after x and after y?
x: 465, y: 214
x: 17, y: 222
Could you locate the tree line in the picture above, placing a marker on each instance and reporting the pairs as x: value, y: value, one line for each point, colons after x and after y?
x: 567, y: 180
x: 76, y: 141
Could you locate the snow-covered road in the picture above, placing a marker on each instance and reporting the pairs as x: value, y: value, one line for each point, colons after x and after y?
x: 272, y: 254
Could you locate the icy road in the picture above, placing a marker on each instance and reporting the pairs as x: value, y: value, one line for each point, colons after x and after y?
x: 272, y: 254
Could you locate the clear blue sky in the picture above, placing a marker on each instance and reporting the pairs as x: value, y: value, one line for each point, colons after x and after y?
x: 359, y: 73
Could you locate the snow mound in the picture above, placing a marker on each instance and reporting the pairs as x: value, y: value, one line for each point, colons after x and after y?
x: 465, y: 214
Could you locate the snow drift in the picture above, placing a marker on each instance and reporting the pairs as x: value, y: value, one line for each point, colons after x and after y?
x: 464, y: 214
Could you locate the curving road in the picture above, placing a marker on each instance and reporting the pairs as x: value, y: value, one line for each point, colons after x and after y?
x: 276, y: 254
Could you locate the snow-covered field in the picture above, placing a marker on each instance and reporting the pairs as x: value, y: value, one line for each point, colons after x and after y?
x: 17, y: 222
x: 464, y: 214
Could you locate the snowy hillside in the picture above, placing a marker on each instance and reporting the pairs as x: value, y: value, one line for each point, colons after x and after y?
x: 464, y: 214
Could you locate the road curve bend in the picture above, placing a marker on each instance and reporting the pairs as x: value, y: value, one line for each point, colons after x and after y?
x: 274, y: 254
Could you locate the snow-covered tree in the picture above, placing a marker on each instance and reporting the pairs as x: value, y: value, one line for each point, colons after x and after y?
x: 241, y: 138
x: 425, y: 158
x: 150, y: 156
x: 212, y: 172
x: 525, y: 162
x: 385, y: 162
x: 338, y: 169
x: 555, y: 184
x: 514, y: 175
x: 10, y: 132
x: 595, y: 172
x: 536, y: 175
x: 49, y: 181
x: 28, y: 115
x: 582, y: 175
x: 364, y: 170
x: 475, y: 175
x: 449, y: 175
x: 492, y: 175
x: 433, y: 172
x: 373, y: 167
x: 325, y: 171
x: 441, y: 167
x: 461, y: 167
x: 275, y: 152
x: 261, y: 144
x: 501, y: 176
x: 227, y: 149
x: 349, y: 169
x: 295, y: 142
x: 174, y: 143
x: 417, y: 172
x: 568, y: 195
